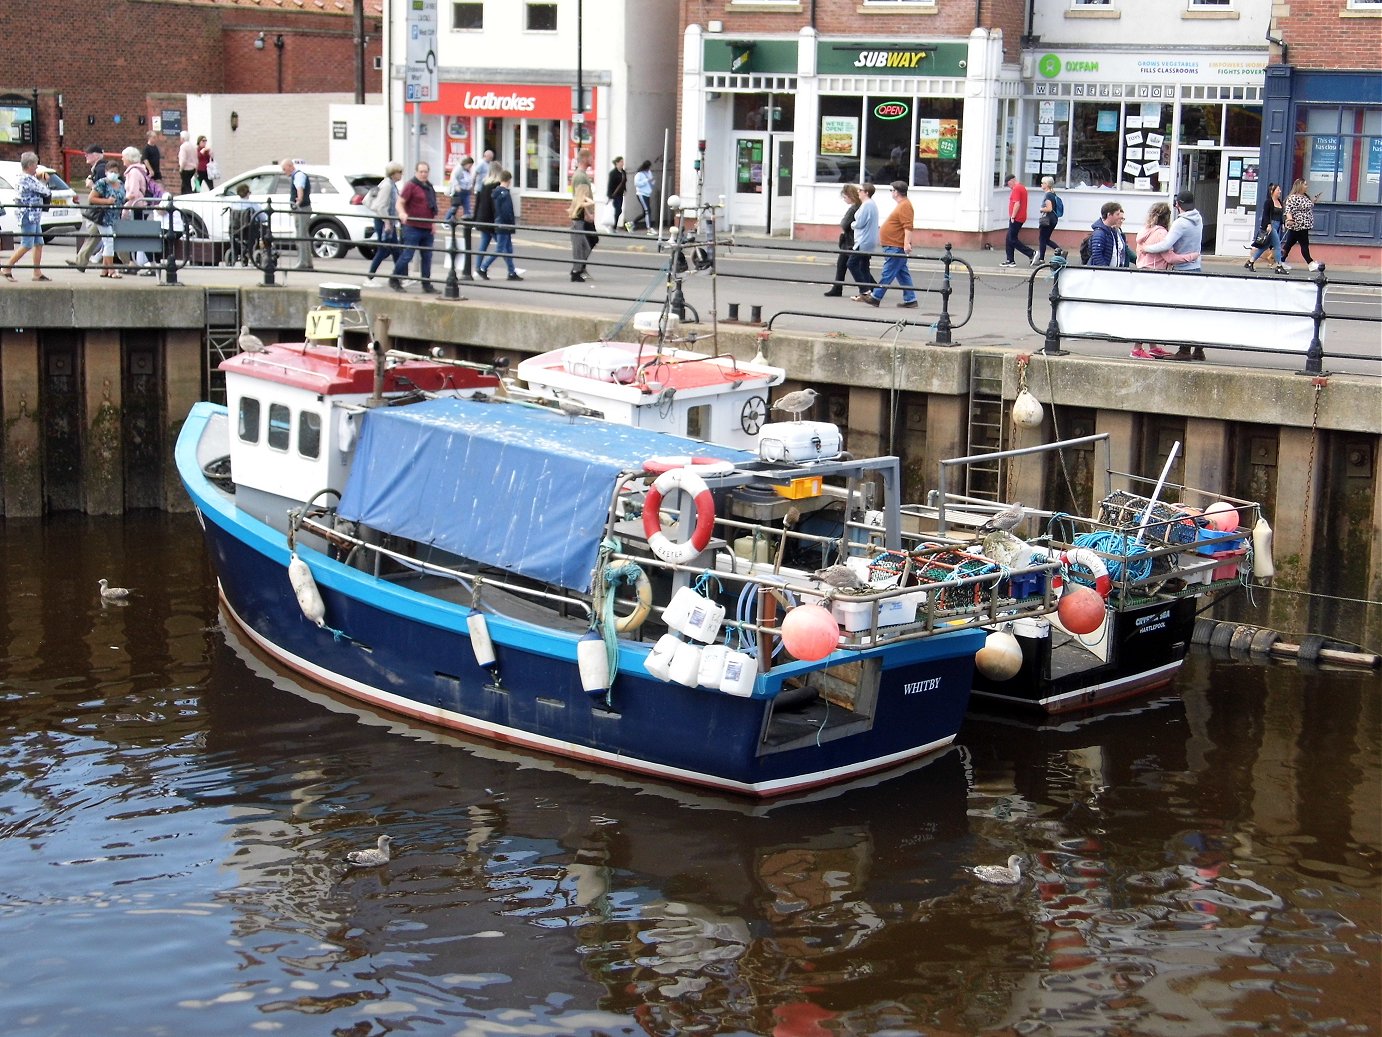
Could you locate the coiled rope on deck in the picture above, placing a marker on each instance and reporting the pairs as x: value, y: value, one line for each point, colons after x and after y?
x: 1122, y: 549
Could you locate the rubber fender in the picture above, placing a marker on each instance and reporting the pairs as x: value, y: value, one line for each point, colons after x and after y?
x: 1222, y: 635
x: 1203, y: 628
x: 1310, y: 646
x: 1263, y: 640
x: 1241, y: 641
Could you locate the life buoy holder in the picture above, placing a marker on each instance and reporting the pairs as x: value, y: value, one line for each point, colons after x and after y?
x: 678, y: 553
x: 705, y: 465
x: 1083, y: 556
x: 643, y: 593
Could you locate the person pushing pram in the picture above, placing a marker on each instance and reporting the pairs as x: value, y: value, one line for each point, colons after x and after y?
x: 248, y: 225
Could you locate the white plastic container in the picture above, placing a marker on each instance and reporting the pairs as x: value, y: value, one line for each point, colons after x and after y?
x: 799, y: 441
x: 855, y: 616
x: 686, y: 664
x: 694, y: 615
x: 678, y: 610
x: 741, y: 671
x: 600, y: 361
x: 712, y: 666
x: 659, y: 661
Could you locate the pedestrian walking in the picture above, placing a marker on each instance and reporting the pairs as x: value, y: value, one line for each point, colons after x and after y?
x: 417, y: 208
x: 300, y: 201
x: 32, y: 194
x: 1154, y: 228
x: 896, y: 236
x: 106, y: 198
x: 187, y: 162
x: 1268, y: 229
x: 139, y: 195
x: 384, y: 206
x: 206, y: 164
x: 484, y: 213
x: 462, y: 195
x: 1052, y: 209
x: 615, y: 187
x: 152, y: 156
x: 1299, y: 218
x: 845, y: 244
x: 643, y: 188
x: 865, y: 242
x: 1017, y: 216
x: 504, y: 223
x: 91, y: 229
x: 582, y: 216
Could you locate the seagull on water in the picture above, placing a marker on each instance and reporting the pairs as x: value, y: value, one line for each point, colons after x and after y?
x: 797, y: 403
x: 109, y: 593
x: 371, y: 858
x: 249, y: 343
x: 999, y: 875
x: 1005, y: 520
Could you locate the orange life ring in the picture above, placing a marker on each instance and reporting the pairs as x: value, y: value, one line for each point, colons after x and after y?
x: 710, y: 465
x: 1103, y: 583
x: 678, y: 553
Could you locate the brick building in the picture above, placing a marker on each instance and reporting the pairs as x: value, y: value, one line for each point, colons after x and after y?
x: 125, y: 67
x: 1324, y: 119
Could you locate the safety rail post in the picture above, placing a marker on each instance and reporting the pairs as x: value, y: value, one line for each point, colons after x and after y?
x: 943, y: 327
x: 1052, y: 345
x: 1314, y: 356
x: 270, y: 253
x: 452, y: 292
x: 170, y: 269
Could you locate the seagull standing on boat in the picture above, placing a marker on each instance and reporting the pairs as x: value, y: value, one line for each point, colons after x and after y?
x: 797, y: 403
x: 109, y: 593
x: 1005, y: 520
x: 371, y: 858
x: 840, y: 578
x: 249, y: 343
x: 999, y: 875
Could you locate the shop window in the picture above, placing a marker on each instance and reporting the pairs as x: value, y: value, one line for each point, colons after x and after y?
x: 309, y: 434
x: 1005, y: 142
x: 534, y: 149
x: 887, y: 139
x: 765, y: 112
x: 1094, y: 159
x: 1243, y: 126
x: 1199, y: 124
x: 840, y: 141
x: 1048, y: 148
x: 541, y: 17
x: 935, y: 150
x: 467, y: 14
x: 280, y: 426
x: 248, y: 423
x: 1338, y: 153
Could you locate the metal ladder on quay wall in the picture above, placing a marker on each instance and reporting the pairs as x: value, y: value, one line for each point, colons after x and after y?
x: 986, y: 427
x: 221, y: 335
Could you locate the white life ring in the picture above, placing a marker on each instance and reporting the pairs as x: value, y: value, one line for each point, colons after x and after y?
x: 643, y: 591
x: 1103, y: 583
x: 662, y: 546
x: 704, y: 465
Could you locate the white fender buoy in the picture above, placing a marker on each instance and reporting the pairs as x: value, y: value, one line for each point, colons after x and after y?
x: 1262, y: 565
x: 480, y: 643
x: 1001, y: 656
x: 593, y: 662
x: 1027, y: 410
x: 305, y: 587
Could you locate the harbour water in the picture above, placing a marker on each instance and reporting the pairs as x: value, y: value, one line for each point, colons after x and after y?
x: 175, y: 816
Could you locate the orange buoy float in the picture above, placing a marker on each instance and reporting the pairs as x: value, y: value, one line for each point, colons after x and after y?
x: 1081, y: 610
x: 810, y: 632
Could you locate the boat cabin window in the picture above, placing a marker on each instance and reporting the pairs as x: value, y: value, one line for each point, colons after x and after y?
x: 249, y: 420
x: 309, y: 433
x: 280, y: 426
x: 698, y: 422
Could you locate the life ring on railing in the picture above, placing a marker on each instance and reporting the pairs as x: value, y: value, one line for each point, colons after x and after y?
x: 705, y: 465
x: 678, y: 479
x: 1103, y: 583
x: 643, y: 592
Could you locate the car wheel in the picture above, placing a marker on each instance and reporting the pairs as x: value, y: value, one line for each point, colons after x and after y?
x: 329, y: 240
x: 367, y: 251
x: 195, y: 227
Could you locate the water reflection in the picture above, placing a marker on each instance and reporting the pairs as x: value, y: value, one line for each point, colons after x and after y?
x: 176, y: 815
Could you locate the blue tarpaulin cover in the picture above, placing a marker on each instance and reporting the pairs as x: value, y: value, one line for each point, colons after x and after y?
x: 519, y: 487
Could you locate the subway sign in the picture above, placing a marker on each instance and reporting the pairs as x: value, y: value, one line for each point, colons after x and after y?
x: 890, y: 58
x: 890, y: 110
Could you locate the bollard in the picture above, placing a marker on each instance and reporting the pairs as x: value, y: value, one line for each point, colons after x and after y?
x: 1314, y: 356
x: 452, y: 292
x: 733, y: 313
x: 170, y: 269
x: 755, y: 314
x: 943, y: 327
x: 270, y: 253
x: 1052, y: 346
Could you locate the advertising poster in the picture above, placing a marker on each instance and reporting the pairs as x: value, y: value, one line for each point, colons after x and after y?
x: 840, y: 135
x: 928, y: 138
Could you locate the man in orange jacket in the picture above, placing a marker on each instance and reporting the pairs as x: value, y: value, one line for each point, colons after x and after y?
x: 895, y: 237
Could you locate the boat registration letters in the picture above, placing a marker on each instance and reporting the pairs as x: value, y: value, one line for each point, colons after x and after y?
x: 323, y: 324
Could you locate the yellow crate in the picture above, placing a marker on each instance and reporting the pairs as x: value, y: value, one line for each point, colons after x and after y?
x: 800, y: 489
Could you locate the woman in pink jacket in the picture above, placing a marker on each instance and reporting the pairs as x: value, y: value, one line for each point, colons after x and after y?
x: 1157, y: 224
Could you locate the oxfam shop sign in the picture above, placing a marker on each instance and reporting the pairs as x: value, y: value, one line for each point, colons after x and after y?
x: 1153, y: 67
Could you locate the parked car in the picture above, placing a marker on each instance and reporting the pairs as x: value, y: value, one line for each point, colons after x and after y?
x: 63, y: 215
x: 339, y: 219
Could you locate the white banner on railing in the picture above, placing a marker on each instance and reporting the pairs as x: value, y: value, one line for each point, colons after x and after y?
x: 1167, y: 308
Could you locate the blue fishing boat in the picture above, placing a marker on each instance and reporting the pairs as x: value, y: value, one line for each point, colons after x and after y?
x: 404, y: 531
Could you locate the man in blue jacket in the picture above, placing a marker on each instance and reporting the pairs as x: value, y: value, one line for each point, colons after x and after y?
x: 1107, y: 246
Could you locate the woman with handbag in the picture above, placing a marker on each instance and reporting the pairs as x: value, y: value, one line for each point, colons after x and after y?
x: 1052, y: 209
x: 1269, y: 232
x: 1299, y: 217
x: 850, y: 194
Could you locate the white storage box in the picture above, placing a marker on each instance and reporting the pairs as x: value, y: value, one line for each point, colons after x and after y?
x: 799, y: 441
x: 599, y: 361
x: 854, y: 616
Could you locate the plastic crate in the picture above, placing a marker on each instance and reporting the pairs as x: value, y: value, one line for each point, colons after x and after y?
x: 1229, y: 563
x: 1218, y: 541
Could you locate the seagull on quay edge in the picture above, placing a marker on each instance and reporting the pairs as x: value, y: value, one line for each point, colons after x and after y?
x: 1005, y: 520
x: 371, y: 858
x: 109, y: 593
x: 796, y: 403
x: 250, y: 343
x: 999, y: 875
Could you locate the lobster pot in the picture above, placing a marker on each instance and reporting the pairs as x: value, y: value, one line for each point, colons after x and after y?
x: 712, y: 666
x: 799, y: 441
x: 938, y: 566
x: 659, y: 661
x: 686, y: 664
x: 741, y: 671
x: 1167, y: 524
x: 694, y: 615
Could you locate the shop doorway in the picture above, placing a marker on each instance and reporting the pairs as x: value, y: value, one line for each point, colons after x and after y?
x: 1201, y: 170
x: 1239, y: 195
x: 762, y: 201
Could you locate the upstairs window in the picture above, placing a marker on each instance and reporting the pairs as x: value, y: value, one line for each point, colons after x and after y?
x: 467, y: 14
x: 540, y: 17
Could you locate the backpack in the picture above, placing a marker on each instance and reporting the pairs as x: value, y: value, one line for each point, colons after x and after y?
x: 155, y: 189
x: 1084, y: 249
x: 377, y: 200
x: 1058, y: 206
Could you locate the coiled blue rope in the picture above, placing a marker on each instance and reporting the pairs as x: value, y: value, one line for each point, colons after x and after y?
x: 1109, y: 543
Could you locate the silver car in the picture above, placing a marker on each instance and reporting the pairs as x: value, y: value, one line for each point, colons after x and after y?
x: 339, y: 219
x: 63, y: 215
